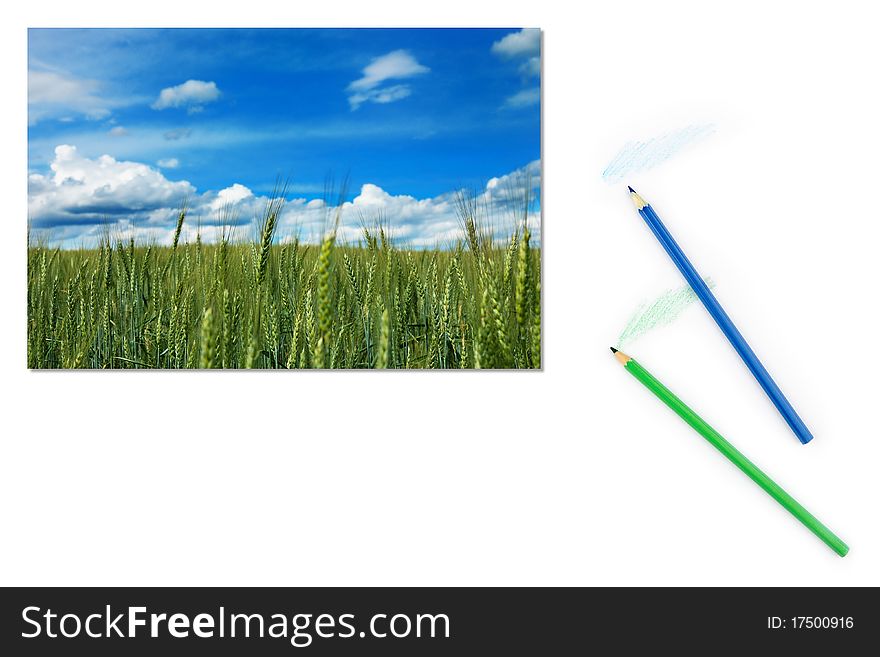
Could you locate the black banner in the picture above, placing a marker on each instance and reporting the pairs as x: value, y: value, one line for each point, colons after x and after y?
x: 428, y: 621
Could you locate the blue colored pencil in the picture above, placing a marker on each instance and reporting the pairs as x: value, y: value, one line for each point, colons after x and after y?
x: 721, y: 318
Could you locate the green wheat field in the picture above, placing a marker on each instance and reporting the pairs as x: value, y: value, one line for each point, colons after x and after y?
x: 258, y: 304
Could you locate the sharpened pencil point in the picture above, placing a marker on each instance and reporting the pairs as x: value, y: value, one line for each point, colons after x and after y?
x: 621, y: 357
x: 638, y: 200
x: 632, y: 191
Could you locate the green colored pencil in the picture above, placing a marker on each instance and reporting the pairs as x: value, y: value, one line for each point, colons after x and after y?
x: 732, y: 453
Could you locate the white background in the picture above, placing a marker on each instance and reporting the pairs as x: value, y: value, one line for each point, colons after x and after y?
x: 572, y: 476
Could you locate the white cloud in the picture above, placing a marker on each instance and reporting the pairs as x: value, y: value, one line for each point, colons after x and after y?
x: 428, y: 222
x: 81, y: 197
x: 169, y: 163
x: 512, y: 187
x: 231, y: 196
x: 117, y: 131
x: 390, y: 94
x: 57, y: 95
x: 525, y: 43
x: 192, y: 94
x: 531, y: 67
x: 81, y: 191
x: 396, y: 65
x: 524, y: 98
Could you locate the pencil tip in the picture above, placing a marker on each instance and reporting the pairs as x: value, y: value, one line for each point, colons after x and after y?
x: 638, y: 200
x: 620, y: 356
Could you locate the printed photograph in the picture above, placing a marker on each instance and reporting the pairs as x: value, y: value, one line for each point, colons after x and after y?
x: 284, y: 199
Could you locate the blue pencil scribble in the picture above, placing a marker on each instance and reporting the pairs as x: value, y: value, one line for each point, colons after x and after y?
x: 642, y: 155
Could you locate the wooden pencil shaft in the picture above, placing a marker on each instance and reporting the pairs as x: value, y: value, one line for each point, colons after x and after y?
x: 724, y: 322
x: 733, y: 455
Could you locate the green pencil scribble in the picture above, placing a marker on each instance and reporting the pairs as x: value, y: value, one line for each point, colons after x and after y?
x: 661, y: 312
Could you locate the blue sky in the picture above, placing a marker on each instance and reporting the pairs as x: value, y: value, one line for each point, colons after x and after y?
x: 123, y: 123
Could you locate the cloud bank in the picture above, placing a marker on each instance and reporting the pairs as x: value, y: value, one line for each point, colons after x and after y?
x: 81, y: 199
x: 84, y: 192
